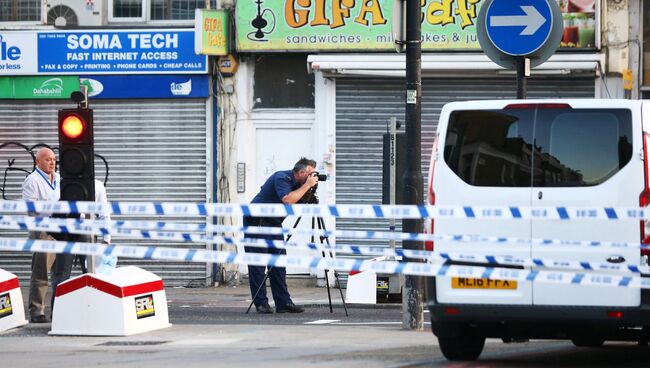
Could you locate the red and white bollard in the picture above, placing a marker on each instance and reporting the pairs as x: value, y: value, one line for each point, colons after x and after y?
x: 129, y: 301
x: 12, y: 310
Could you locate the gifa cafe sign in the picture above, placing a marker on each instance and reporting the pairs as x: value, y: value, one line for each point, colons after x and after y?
x: 365, y: 25
x: 211, y: 32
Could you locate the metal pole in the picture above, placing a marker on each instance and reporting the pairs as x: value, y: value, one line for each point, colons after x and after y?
x: 413, y: 292
x: 521, y: 78
x: 392, y: 140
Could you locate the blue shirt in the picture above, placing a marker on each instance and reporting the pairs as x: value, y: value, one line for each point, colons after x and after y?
x: 274, y: 189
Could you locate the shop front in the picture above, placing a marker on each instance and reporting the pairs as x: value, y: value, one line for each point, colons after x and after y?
x: 152, y: 118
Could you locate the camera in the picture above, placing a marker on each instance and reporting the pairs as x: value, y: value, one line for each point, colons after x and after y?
x: 321, y: 177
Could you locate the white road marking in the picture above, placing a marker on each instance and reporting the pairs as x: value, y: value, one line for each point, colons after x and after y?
x: 322, y: 322
x: 369, y: 323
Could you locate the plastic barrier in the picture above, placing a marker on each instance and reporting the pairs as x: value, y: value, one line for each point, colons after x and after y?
x: 12, y: 311
x: 129, y: 301
x: 362, y: 286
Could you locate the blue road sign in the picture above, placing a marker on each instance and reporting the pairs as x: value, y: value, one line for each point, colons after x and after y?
x: 519, y: 28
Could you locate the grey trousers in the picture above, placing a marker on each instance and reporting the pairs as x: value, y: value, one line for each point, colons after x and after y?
x: 41, y: 266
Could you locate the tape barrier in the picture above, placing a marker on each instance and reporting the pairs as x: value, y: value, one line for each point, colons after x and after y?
x: 341, y: 210
x: 338, y: 264
x: 429, y: 256
x: 103, y: 227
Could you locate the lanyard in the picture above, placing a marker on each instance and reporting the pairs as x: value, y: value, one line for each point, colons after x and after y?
x: 47, y: 180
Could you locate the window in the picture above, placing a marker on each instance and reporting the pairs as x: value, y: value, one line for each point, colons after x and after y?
x: 572, y: 147
x: 20, y: 10
x: 282, y: 81
x: 157, y: 10
x: 490, y: 148
x: 126, y: 10
x: 581, y: 147
x: 174, y: 9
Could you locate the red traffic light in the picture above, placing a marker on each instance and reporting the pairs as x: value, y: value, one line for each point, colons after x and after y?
x: 72, y: 127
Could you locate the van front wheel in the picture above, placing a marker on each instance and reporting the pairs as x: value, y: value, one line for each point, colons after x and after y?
x: 461, y: 342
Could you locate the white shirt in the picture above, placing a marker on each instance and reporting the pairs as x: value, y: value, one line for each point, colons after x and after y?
x: 38, y: 187
x: 100, y: 197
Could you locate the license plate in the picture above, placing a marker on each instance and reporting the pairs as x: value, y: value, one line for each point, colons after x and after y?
x: 472, y: 283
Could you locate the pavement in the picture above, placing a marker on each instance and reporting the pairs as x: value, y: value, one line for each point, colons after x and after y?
x: 240, y: 296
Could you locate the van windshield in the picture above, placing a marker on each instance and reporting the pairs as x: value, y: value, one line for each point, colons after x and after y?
x: 545, y: 147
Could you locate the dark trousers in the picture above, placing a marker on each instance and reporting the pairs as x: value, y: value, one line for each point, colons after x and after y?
x: 63, y: 267
x: 277, y: 275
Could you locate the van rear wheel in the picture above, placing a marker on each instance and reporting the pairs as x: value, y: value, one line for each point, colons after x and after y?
x: 588, y: 342
x: 460, y: 342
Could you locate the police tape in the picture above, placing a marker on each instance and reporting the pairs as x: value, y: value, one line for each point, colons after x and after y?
x: 434, y: 257
x: 324, y: 263
x: 103, y: 227
x: 320, y: 210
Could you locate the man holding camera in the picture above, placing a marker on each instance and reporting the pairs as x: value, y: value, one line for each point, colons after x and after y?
x: 286, y: 187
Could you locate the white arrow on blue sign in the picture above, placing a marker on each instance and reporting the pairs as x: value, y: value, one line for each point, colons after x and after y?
x: 519, y: 28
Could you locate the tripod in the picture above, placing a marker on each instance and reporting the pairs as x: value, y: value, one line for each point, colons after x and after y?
x: 315, y: 221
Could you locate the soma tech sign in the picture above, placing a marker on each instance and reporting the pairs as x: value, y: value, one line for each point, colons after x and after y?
x: 105, y: 52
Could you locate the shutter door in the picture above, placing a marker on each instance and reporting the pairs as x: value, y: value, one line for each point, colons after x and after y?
x: 363, y: 107
x: 156, y: 151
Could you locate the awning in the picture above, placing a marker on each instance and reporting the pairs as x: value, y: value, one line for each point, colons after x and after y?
x: 393, y: 65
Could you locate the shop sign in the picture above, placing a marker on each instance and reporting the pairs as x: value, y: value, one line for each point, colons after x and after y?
x: 100, y: 52
x: 348, y: 25
x: 211, y: 32
x: 146, y: 86
x: 49, y: 87
x: 17, y: 53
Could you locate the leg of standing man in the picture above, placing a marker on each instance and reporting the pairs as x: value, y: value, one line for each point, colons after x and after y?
x: 41, y: 266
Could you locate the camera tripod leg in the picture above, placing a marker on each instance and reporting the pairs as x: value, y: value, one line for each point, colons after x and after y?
x: 327, y: 279
x: 321, y: 226
x: 263, y: 284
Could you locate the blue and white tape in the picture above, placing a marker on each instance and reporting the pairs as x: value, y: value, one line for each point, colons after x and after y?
x: 338, y: 264
x: 341, y: 210
x: 433, y: 257
x: 102, y: 227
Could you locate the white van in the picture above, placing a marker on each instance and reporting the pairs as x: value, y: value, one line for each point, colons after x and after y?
x: 571, y: 153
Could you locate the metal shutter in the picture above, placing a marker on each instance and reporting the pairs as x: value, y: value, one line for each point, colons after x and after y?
x: 363, y: 107
x: 156, y: 150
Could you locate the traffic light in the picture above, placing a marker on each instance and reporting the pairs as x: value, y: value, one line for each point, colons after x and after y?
x: 76, y: 155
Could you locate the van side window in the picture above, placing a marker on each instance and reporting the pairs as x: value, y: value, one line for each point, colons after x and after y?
x: 490, y: 148
x: 582, y: 147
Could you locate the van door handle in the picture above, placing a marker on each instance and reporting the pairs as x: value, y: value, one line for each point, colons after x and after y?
x: 616, y: 259
x: 540, y: 195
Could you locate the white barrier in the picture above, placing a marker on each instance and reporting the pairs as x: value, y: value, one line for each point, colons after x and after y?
x: 362, y: 286
x: 12, y: 311
x: 129, y: 301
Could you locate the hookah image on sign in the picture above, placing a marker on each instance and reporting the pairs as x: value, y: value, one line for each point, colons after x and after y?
x: 260, y: 24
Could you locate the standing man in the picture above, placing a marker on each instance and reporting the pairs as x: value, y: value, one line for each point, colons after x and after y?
x: 41, y: 185
x: 282, y: 187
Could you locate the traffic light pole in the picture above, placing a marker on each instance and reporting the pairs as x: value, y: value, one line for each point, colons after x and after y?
x: 413, y: 292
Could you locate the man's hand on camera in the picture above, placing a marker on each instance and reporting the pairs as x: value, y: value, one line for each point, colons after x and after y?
x: 312, y: 179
